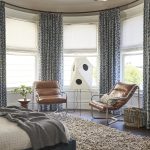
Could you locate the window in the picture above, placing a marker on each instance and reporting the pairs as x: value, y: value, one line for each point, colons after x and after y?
x: 132, y: 48
x: 80, y: 40
x: 21, y: 58
x: 133, y: 68
x: 20, y: 69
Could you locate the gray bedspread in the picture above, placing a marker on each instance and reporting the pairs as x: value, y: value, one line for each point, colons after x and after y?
x: 42, y: 130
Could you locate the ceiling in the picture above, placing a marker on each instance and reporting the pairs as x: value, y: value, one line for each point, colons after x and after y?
x: 69, y: 5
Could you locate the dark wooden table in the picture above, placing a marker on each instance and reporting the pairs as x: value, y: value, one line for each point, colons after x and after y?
x: 24, y: 103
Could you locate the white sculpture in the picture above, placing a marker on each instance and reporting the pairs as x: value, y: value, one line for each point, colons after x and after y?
x: 81, y: 77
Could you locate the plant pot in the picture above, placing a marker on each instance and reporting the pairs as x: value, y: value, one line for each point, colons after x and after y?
x: 25, y: 99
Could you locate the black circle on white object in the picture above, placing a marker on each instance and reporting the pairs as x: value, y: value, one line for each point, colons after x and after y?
x: 85, y: 67
x: 79, y: 81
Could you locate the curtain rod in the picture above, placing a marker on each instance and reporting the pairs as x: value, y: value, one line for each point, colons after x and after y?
x: 123, y: 7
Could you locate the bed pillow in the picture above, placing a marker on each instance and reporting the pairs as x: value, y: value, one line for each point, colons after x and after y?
x: 112, y: 99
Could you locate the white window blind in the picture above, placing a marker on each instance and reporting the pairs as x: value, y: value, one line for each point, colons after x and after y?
x: 80, y: 37
x: 21, y: 34
x: 132, y: 32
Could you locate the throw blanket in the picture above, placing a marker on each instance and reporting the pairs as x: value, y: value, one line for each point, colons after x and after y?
x: 42, y: 130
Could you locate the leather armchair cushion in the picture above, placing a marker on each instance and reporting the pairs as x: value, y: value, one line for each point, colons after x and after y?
x: 46, y: 84
x: 100, y: 106
x: 51, y: 99
x: 48, y: 91
x: 122, y: 88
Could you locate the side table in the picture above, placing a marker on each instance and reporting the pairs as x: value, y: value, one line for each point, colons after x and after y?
x: 24, y: 103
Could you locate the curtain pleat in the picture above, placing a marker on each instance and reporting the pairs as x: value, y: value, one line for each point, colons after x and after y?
x: 109, y: 48
x: 3, y: 100
x: 51, y: 48
x: 146, y: 61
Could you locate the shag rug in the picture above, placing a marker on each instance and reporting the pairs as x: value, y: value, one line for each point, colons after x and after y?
x: 93, y: 136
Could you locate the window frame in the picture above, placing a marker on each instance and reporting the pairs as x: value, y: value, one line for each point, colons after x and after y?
x: 24, y: 51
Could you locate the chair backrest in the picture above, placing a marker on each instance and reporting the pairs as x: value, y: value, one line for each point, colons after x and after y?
x: 45, y: 88
x: 123, y: 90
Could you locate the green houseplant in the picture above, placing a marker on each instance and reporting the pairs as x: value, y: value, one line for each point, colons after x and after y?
x: 23, y: 91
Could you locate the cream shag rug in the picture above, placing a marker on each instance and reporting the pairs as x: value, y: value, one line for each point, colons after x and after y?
x: 92, y: 136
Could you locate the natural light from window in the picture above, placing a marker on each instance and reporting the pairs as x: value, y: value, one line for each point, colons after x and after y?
x: 80, y: 40
x: 20, y: 70
x: 133, y: 69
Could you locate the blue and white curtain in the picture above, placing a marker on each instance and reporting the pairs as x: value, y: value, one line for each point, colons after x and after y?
x: 109, y: 48
x: 146, y: 60
x: 51, y: 47
x: 3, y: 101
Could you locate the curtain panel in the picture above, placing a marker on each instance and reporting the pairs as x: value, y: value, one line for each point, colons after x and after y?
x: 109, y: 48
x: 3, y: 101
x: 51, y: 47
x: 146, y: 61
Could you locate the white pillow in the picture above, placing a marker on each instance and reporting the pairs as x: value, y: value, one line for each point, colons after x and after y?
x: 109, y: 99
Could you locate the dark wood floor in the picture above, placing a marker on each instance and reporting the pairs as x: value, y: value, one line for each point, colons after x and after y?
x: 85, y: 114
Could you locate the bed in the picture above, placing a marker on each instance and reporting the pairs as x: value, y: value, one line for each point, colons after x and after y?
x: 12, y: 137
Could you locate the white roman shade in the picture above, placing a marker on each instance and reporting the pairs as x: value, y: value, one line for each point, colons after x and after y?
x: 21, y: 34
x: 80, y: 38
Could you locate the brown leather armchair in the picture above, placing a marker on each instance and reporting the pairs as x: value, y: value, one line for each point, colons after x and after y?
x: 48, y: 92
x: 115, y: 99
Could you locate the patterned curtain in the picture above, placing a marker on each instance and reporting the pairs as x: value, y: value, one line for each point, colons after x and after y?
x: 109, y: 51
x: 146, y: 52
x: 3, y: 101
x: 51, y: 47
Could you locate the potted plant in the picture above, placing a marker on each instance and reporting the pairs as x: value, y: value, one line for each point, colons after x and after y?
x: 23, y: 91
